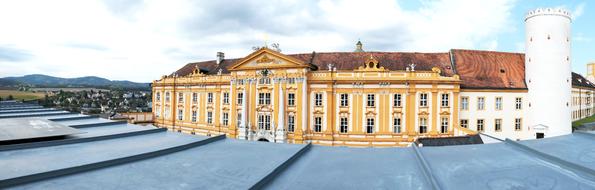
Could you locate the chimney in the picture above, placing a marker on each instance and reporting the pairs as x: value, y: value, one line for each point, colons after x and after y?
x: 220, y: 57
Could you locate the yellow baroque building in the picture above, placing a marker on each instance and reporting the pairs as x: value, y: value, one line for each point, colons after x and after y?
x: 354, y: 98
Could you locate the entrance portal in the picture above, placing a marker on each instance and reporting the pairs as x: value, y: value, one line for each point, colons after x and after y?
x: 539, y: 135
x: 263, y: 140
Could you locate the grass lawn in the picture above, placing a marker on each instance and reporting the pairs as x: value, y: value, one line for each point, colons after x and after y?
x: 20, y: 95
x: 586, y: 120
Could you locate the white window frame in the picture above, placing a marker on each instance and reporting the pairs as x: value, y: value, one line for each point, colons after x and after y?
x: 225, y: 116
x: 226, y: 98
x: 397, y: 125
x: 317, y: 99
x: 464, y: 103
x: 371, y: 100
x: 423, y: 100
x: 397, y: 98
x: 343, y: 125
x: 210, y: 97
x: 481, y: 103
x: 445, y: 100
x: 291, y: 99
x: 423, y: 125
x: 444, y: 124
x: 194, y: 114
x: 318, y: 124
x: 370, y: 125
x: 344, y: 100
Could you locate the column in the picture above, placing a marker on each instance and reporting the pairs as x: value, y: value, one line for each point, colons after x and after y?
x: 434, y: 116
x: 231, y: 132
x: 280, y: 132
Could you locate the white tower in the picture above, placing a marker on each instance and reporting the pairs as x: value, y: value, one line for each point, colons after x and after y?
x: 548, y: 72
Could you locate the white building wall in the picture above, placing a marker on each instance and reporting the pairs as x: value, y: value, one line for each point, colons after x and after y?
x: 489, y: 114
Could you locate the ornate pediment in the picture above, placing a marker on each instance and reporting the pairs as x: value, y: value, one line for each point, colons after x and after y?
x: 265, y: 58
x: 371, y: 64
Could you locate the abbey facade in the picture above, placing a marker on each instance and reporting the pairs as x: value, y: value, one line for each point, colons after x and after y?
x: 351, y: 98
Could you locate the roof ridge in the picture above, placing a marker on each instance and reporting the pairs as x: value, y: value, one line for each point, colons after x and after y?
x: 488, y: 51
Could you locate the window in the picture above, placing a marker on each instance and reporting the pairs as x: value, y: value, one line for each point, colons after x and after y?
x: 423, y: 100
x: 397, y: 125
x: 264, y: 98
x: 444, y: 125
x: 370, y: 125
x: 264, y: 81
x: 291, y: 123
x: 157, y: 111
x: 167, y: 96
x: 498, y: 125
x: 344, y: 100
x: 318, y: 99
x: 264, y: 122
x: 464, y: 103
x: 291, y: 80
x: 317, y: 124
x: 480, y: 125
x: 240, y: 82
x: 397, y: 100
x: 194, y: 98
x: 167, y: 110
x: 240, y: 98
x: 193, y: 116
x: 464, y: 123
x: 517, y: 124
x: 225, y: 118
x: 180, y: 114
x: 480, y: 103
x: 371, y: 100
x: 158, y: 96
x: 498, y: 103
x: 210, y: 117
x: 423, y: 125
x: 239, y: 119
x: 181, y: 97
x: 225, y: 98
x: 210, y: 97
x: 444, y: 102
x: 518, y: 103
x: 343, y: 125
x: 291, y: 99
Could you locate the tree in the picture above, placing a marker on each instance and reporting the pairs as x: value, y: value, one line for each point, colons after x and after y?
x: 10, y: 97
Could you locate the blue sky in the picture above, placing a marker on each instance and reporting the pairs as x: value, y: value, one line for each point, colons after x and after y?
x: 142, y: 40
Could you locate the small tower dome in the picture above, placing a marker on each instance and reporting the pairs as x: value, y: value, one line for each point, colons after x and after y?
x: 359, y: 47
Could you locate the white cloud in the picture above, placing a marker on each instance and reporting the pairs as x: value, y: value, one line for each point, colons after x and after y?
x: 142, y: 40
x: 578, y: 10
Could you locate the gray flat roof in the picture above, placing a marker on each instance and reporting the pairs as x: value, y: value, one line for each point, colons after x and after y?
x: 29, y: 128
x: 113, y: 155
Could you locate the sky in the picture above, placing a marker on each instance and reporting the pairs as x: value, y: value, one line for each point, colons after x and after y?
x: 142, y: 40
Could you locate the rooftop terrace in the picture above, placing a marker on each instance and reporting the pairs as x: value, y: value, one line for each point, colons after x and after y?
x: 117, y: 155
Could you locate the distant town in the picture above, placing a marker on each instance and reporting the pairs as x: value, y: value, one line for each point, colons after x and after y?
x: 86, y: 95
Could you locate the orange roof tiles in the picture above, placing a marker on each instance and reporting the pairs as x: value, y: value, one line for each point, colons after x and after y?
x: 477, y: 69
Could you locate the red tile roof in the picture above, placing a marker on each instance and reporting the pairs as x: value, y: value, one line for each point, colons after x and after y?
x: 477, y: 69
x: 489, y: 69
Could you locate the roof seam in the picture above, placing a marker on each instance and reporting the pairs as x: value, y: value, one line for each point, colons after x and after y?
x: 279, y: 169
x: 426, y: 168
x: 583, y: 171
